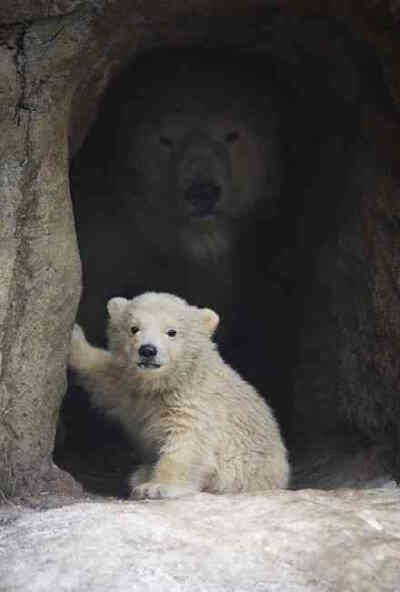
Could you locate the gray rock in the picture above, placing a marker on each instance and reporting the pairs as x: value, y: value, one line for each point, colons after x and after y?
x: 284, y: 541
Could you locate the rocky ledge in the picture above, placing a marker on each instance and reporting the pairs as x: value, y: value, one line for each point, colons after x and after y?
x: 288, y: 541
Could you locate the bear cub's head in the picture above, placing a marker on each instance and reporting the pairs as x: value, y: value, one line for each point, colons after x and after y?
x: 159, y: 333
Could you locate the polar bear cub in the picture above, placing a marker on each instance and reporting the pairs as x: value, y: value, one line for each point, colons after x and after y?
x: 197, y: 425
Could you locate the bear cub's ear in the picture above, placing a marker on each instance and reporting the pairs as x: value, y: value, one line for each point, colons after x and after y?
x: 115, y: 307
x: 210, y: 319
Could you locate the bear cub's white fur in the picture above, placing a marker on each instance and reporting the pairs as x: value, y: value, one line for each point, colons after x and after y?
x: 196, y: 423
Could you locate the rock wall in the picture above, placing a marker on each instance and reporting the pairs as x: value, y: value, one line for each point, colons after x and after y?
x: 40, y: 272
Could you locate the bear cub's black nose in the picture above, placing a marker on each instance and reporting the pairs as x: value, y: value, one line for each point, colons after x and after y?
x: 147, y: 351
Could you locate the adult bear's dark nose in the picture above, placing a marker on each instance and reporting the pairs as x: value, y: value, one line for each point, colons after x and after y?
x: 147, y: 351
x: 203, y: 195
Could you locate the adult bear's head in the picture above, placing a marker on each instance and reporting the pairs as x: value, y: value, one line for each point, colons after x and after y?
x: 197, y: 149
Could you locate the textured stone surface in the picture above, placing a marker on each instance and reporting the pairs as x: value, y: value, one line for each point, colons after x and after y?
x: 40, y: 271
x: 308, y: 541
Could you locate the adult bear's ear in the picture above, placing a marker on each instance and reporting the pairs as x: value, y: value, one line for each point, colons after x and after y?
x: 210, y: 319
x: 115, y: 306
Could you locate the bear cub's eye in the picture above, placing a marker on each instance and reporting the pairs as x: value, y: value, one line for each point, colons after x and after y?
x: 231, y: 137
x: 171, y: 332
x: 134, y: 330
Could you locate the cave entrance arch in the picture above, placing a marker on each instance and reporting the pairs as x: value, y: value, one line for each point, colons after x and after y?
x: 302, y: 260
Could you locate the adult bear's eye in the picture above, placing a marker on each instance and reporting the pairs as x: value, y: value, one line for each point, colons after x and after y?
x: 171, y: 332
x: 165, y: 141
x: 134, y: 330
x: 231, y: 137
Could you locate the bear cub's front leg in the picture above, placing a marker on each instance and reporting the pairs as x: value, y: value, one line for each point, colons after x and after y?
x: 96, y: 370
x: 169, y: 478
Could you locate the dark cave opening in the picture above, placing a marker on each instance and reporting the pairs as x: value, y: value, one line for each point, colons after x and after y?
x: 292, y: 286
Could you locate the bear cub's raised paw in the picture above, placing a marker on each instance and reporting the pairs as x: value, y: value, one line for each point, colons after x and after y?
x: 79, y: 347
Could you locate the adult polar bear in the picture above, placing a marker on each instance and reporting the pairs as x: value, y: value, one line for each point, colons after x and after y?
x: 189, y: 146
x: 201, y: 146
